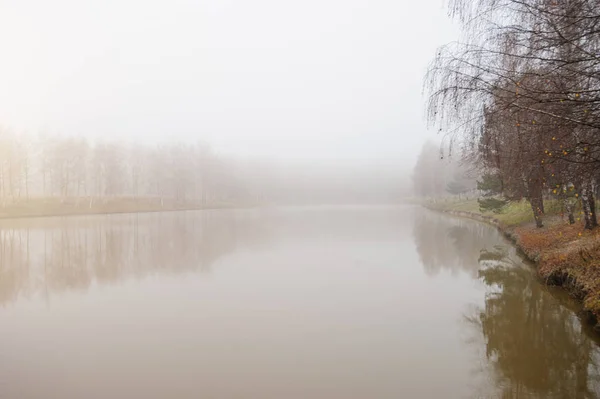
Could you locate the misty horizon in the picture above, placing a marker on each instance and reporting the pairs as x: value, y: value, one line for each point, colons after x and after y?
x: 324, y: 199
x: 254, y: 80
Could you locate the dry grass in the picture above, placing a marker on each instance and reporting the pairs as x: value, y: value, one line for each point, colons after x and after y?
x: 573, y: 253
x: 84, y: 206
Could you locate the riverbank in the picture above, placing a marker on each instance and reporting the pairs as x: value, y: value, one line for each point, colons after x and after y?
x: 564, y: 255
x: 47, y: 207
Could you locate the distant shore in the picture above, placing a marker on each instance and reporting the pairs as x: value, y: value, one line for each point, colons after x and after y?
x: 564, y: 255
x: 52, y: 207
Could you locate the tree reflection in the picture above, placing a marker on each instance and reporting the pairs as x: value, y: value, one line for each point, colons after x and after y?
x: 75, y: 253
x: 535, y: 346
x: 14, y: 265
x: 445, y: 243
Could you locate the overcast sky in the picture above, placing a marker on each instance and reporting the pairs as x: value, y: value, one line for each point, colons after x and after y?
x: 325, y: 79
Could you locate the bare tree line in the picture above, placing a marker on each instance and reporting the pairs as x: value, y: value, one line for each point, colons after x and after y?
x: 436, y: 178
x: 127, y: 176
x: 71, y: 169
x: 520, y: 96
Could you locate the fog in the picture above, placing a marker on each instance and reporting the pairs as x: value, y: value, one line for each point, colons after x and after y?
x: 331, y: 83
x: 258, y: 199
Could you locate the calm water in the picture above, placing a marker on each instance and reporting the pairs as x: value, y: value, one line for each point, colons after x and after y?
x: 354, y: 302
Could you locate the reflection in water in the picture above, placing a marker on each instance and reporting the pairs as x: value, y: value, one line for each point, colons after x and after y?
x: 535, y: 346
x: 57, y: 255
x: 303, y: 303
x: 451, y: 243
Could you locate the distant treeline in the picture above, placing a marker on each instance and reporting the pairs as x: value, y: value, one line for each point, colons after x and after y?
x: 520, y: 97
x: 67, y: 167
x: 70, y: 169
x: 436, y: 176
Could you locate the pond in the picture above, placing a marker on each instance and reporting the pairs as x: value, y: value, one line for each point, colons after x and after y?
x: 304, y: 302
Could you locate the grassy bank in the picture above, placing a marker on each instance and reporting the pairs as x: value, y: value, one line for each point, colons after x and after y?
x: 564, y: 254
x: 39, y: 207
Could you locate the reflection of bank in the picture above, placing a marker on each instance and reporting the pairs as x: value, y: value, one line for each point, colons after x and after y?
x: 453, y: 244
x: 535, y: 346
x: 49, y: 256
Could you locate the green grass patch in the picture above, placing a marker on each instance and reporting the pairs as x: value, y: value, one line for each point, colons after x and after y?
x: 513, y: 214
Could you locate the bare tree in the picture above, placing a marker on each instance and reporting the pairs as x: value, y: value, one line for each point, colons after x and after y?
x: 522, y: 92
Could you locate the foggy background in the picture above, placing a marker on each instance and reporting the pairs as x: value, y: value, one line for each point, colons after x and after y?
x: 327, y: 90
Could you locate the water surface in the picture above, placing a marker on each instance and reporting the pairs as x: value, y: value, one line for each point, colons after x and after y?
x: 323, y: 302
